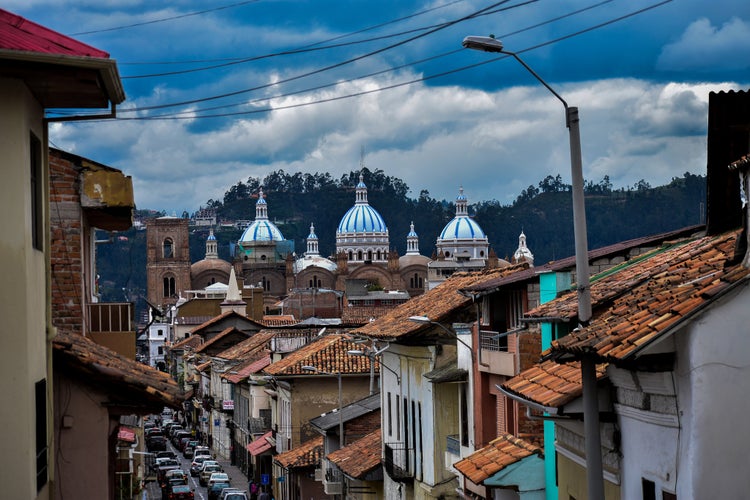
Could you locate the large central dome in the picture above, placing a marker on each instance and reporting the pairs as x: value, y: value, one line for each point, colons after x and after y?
x: 362, y: 234
x: 362, y: 218
x: 462, y: 237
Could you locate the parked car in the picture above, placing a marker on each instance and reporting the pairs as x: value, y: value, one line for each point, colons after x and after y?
x: 195, y: 466
x: 189, y: 448
x: 233, y: 494
x: 166, y: 454
x: 201, y: 451
x: 218, y: 477
x: 182, y: 442
x: 180, y: 492
x: 215, y: 490
x: 156, y: 443
x: 206, y: 472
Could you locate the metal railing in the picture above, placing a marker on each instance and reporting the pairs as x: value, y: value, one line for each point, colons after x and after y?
x: 106, y: 317
x: 399, y: 461
x: 490, y: 341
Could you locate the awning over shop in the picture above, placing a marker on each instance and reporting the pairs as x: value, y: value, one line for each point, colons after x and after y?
x: 260, y: 445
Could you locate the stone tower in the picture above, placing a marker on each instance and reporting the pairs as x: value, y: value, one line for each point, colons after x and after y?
x: 167, y: 260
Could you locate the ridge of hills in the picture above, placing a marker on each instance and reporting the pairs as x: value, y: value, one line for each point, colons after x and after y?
x: 543, y: 212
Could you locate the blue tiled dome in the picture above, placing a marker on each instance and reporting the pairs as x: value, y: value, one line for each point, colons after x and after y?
x: 362, y: 218
x: 262, y: 230
x: 462, y: 228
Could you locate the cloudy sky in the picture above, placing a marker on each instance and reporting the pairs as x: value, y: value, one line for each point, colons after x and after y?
x: 220, y: 91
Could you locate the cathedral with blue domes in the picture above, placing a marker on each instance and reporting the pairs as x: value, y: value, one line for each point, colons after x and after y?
x: 264, y: 258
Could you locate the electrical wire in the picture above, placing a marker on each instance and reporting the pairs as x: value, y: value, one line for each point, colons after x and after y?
x: 393, y: 86
x: 155, y: 21
x: 393, y: 69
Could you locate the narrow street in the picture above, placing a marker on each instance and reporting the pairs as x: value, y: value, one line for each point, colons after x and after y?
x: 236, y: 478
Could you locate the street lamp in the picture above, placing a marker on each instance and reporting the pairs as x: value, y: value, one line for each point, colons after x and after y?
x: 373, y: 354
x: 425, y: 320
x: 588, y: 363
x: 315, y: 369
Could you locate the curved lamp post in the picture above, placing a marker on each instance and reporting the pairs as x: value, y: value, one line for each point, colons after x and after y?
x: 588, y: 363
x: 315, y: 369
x: 373, y: 354
x: 425, y: 320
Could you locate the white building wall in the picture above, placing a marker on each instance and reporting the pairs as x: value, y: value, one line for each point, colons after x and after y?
x: 713, y: 380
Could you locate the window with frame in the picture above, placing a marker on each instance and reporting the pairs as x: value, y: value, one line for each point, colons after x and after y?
x: 37, y: 192
x: 169, y: 286
x: 648, y: 488
x: 40, y: 397
x: 168, y: 248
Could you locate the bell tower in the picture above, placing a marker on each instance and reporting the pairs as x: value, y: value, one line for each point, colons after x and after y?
x: 167, y: 260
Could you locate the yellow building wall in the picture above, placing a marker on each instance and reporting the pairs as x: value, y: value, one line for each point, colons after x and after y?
x: 572, y: 483
x: 23, y: 299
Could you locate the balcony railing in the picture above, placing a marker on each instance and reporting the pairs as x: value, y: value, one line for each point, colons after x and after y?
x: 333, y: 481
x: 399, y: 461
x: 489, y: 341
x: 105, y: 317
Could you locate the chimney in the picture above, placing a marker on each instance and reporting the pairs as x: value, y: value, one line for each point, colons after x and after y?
x: 728, y: 139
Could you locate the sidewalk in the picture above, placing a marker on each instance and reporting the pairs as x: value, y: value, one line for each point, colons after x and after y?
x: 237, y: 478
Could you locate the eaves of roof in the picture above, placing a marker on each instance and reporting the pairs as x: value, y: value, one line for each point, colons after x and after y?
x: 359, y: 458
x: 329, y: 353
x: 305, y: 455
x: 638, y: 304
x: 439, y: 304
x: 503, y: 451
x: 494, y: 285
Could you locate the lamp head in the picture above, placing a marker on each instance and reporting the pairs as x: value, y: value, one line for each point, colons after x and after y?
x: 355, y: 353
x: 309, y: 368
x: 483, y: 43
x: 420, y: 319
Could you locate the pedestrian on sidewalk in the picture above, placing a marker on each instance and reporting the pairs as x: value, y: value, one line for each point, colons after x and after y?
x: 264, y: 495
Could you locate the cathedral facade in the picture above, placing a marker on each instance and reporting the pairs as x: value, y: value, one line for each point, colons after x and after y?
x: 265, y: 259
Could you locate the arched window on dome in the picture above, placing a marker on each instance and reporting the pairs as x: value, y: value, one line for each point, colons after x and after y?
x: 359, y: 255
x: 315, y: 282
x: 379, y: 255
x: 481, y: 253
x: 168, y: 248
x: 351, y: 255
x: 169, y: 286
x: 266, y: 284
x: 369, y: 255
x: 447, y: 253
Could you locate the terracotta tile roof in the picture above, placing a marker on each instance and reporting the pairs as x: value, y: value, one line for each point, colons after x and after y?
x: 550, y: 384
x: 569, y: 262
x: 254, y: 344
x: 361, y: 315
x: 218, y: 319
x: 305, y: 455
x: 437, y: 304
x: 500, y: 453
x: 281, y: 320
x: 193, y: 341
x: 18, y: 33
x: 123, y: 379
x: 636, y: 303
x: 225, y: 334
x: 247, y: 368
x: 328, y: 353
x: 359, y: 458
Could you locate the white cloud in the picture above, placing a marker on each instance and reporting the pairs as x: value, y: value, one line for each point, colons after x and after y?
x: 703, y: 46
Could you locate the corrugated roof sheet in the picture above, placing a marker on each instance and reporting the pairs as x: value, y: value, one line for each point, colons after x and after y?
x: 18, y: 33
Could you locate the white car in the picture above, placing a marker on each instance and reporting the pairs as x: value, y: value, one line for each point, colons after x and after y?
x: 218, y: 477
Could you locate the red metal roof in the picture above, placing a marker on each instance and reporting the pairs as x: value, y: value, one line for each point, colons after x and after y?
x: 18, y: 33
x: 260, y: 445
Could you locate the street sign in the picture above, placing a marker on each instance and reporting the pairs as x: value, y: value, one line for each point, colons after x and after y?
x: 265, y: 478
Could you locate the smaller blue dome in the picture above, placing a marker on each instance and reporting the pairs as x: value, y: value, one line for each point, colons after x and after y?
x: 261, y: 230
x: 462, y: 228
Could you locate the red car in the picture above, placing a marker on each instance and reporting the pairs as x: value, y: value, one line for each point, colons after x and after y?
x: 180, y: 492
